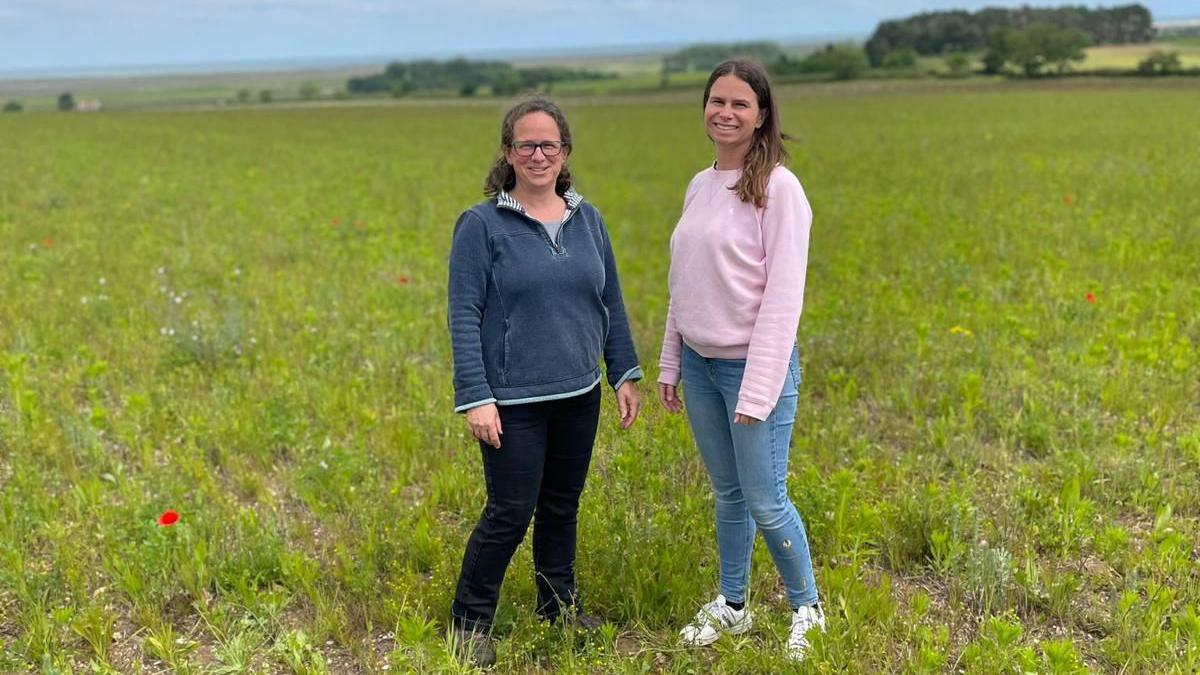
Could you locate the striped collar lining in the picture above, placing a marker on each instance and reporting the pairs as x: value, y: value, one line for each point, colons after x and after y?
x: 505, y: 200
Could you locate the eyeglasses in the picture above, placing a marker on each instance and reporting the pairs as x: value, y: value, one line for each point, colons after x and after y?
x: 549, y: 148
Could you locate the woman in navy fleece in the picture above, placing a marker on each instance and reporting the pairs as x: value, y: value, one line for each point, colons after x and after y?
x: 534, y: 306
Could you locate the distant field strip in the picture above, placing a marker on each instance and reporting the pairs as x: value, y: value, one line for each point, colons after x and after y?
x: 1128, y: 56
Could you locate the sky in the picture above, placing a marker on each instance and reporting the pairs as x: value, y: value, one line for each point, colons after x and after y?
x: 65, y: 35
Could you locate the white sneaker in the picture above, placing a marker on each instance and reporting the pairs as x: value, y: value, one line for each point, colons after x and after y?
x: 713, y: 620
x: 804, y: 619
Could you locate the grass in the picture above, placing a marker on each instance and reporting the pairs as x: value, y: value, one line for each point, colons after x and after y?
x: 240, y: 316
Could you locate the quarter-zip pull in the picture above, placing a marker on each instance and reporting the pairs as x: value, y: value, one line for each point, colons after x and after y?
x: 556, y: 243
x: 573, y: 199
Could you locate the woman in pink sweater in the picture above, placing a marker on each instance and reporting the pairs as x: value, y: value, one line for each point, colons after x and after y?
x: 738, y: 260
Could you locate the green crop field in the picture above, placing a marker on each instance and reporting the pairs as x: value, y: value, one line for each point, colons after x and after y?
x: 239, y: 316
x: 1128, y: 56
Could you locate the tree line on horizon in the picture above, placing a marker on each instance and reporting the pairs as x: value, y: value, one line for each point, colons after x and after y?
x: 937, y: 33
x: 1030, y: 41
x: 465, y: 77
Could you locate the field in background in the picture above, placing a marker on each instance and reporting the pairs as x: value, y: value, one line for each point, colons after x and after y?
x: 1128, y: 56
x: 241, y: 317
x: 637, y: 73
x: 1109, y: 57
x: 175, y: 90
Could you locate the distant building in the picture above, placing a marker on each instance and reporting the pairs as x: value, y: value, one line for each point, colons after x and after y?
x: 88, y: 105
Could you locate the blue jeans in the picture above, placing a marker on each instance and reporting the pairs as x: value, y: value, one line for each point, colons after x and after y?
x: 748, y: 469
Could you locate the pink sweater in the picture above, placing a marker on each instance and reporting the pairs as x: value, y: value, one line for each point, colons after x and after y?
x: 737, y: 282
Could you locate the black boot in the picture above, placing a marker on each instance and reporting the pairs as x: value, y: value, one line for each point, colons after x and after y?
x: 473, y: 646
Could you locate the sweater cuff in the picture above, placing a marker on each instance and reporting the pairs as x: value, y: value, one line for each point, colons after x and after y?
x: 634, y: 373
x: 668, y: 376
x: 472, y: 397
x: 758, y: 411
x: 474, y: 404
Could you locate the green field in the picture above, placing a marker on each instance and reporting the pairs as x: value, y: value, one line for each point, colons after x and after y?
x: 1108, y: 57
x: 1129, y: 56
x: 240, y: 316
x: 175, y: 90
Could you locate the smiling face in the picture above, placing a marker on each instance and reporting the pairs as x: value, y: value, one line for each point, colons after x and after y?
x: 536, y: 172
x: 731, y: 113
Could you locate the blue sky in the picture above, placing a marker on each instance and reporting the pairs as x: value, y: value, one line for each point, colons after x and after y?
x: 67, y: 34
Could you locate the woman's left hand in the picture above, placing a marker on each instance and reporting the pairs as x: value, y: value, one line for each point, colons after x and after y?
x: 627, y: 403
x: 739, y: 418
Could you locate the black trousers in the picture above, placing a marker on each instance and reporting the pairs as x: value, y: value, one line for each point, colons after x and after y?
x: 538, y: 473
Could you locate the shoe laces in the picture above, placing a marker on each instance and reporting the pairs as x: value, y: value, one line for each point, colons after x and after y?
x: 715, y: 613
x: 803, y: 619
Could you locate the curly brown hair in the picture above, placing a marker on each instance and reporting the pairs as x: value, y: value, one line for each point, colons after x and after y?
x: 502, y: 176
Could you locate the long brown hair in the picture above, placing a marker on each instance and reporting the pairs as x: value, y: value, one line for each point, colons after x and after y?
x: 502, y: 176
x: 766, y: 148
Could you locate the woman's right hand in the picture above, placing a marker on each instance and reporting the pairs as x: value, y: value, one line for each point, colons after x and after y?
x: 484, y: 421
x: 668, y: 395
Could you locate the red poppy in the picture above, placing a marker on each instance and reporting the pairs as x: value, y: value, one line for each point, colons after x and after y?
x: 1090, y: 297
x: 48, y: 242
x: 334, y: 222
x: 168, y: 518
x: 1067, y: 200
x: 402, y: 279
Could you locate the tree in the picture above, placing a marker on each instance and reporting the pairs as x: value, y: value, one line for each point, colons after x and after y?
x: 372, y: 84
x: 1039, y: 45
x: 402, y: 88
x: 266, y: 95
x: 310, y: 90
x: 13, y: 107
x: 1025, y: 49
x: 1160, y: 62
x: 465, y: 77
x: 845, y: 62
x: 905, y: 57
x: 66, y: 101
x: 243, y: 95
x: 942, y: 32
x: 841, y: 62
x: 888, y: 37
x: 997, y: 51
x: 1064, y: 46
x: 506, y: 83
x: 707, y: 56
x: 958, y: 63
